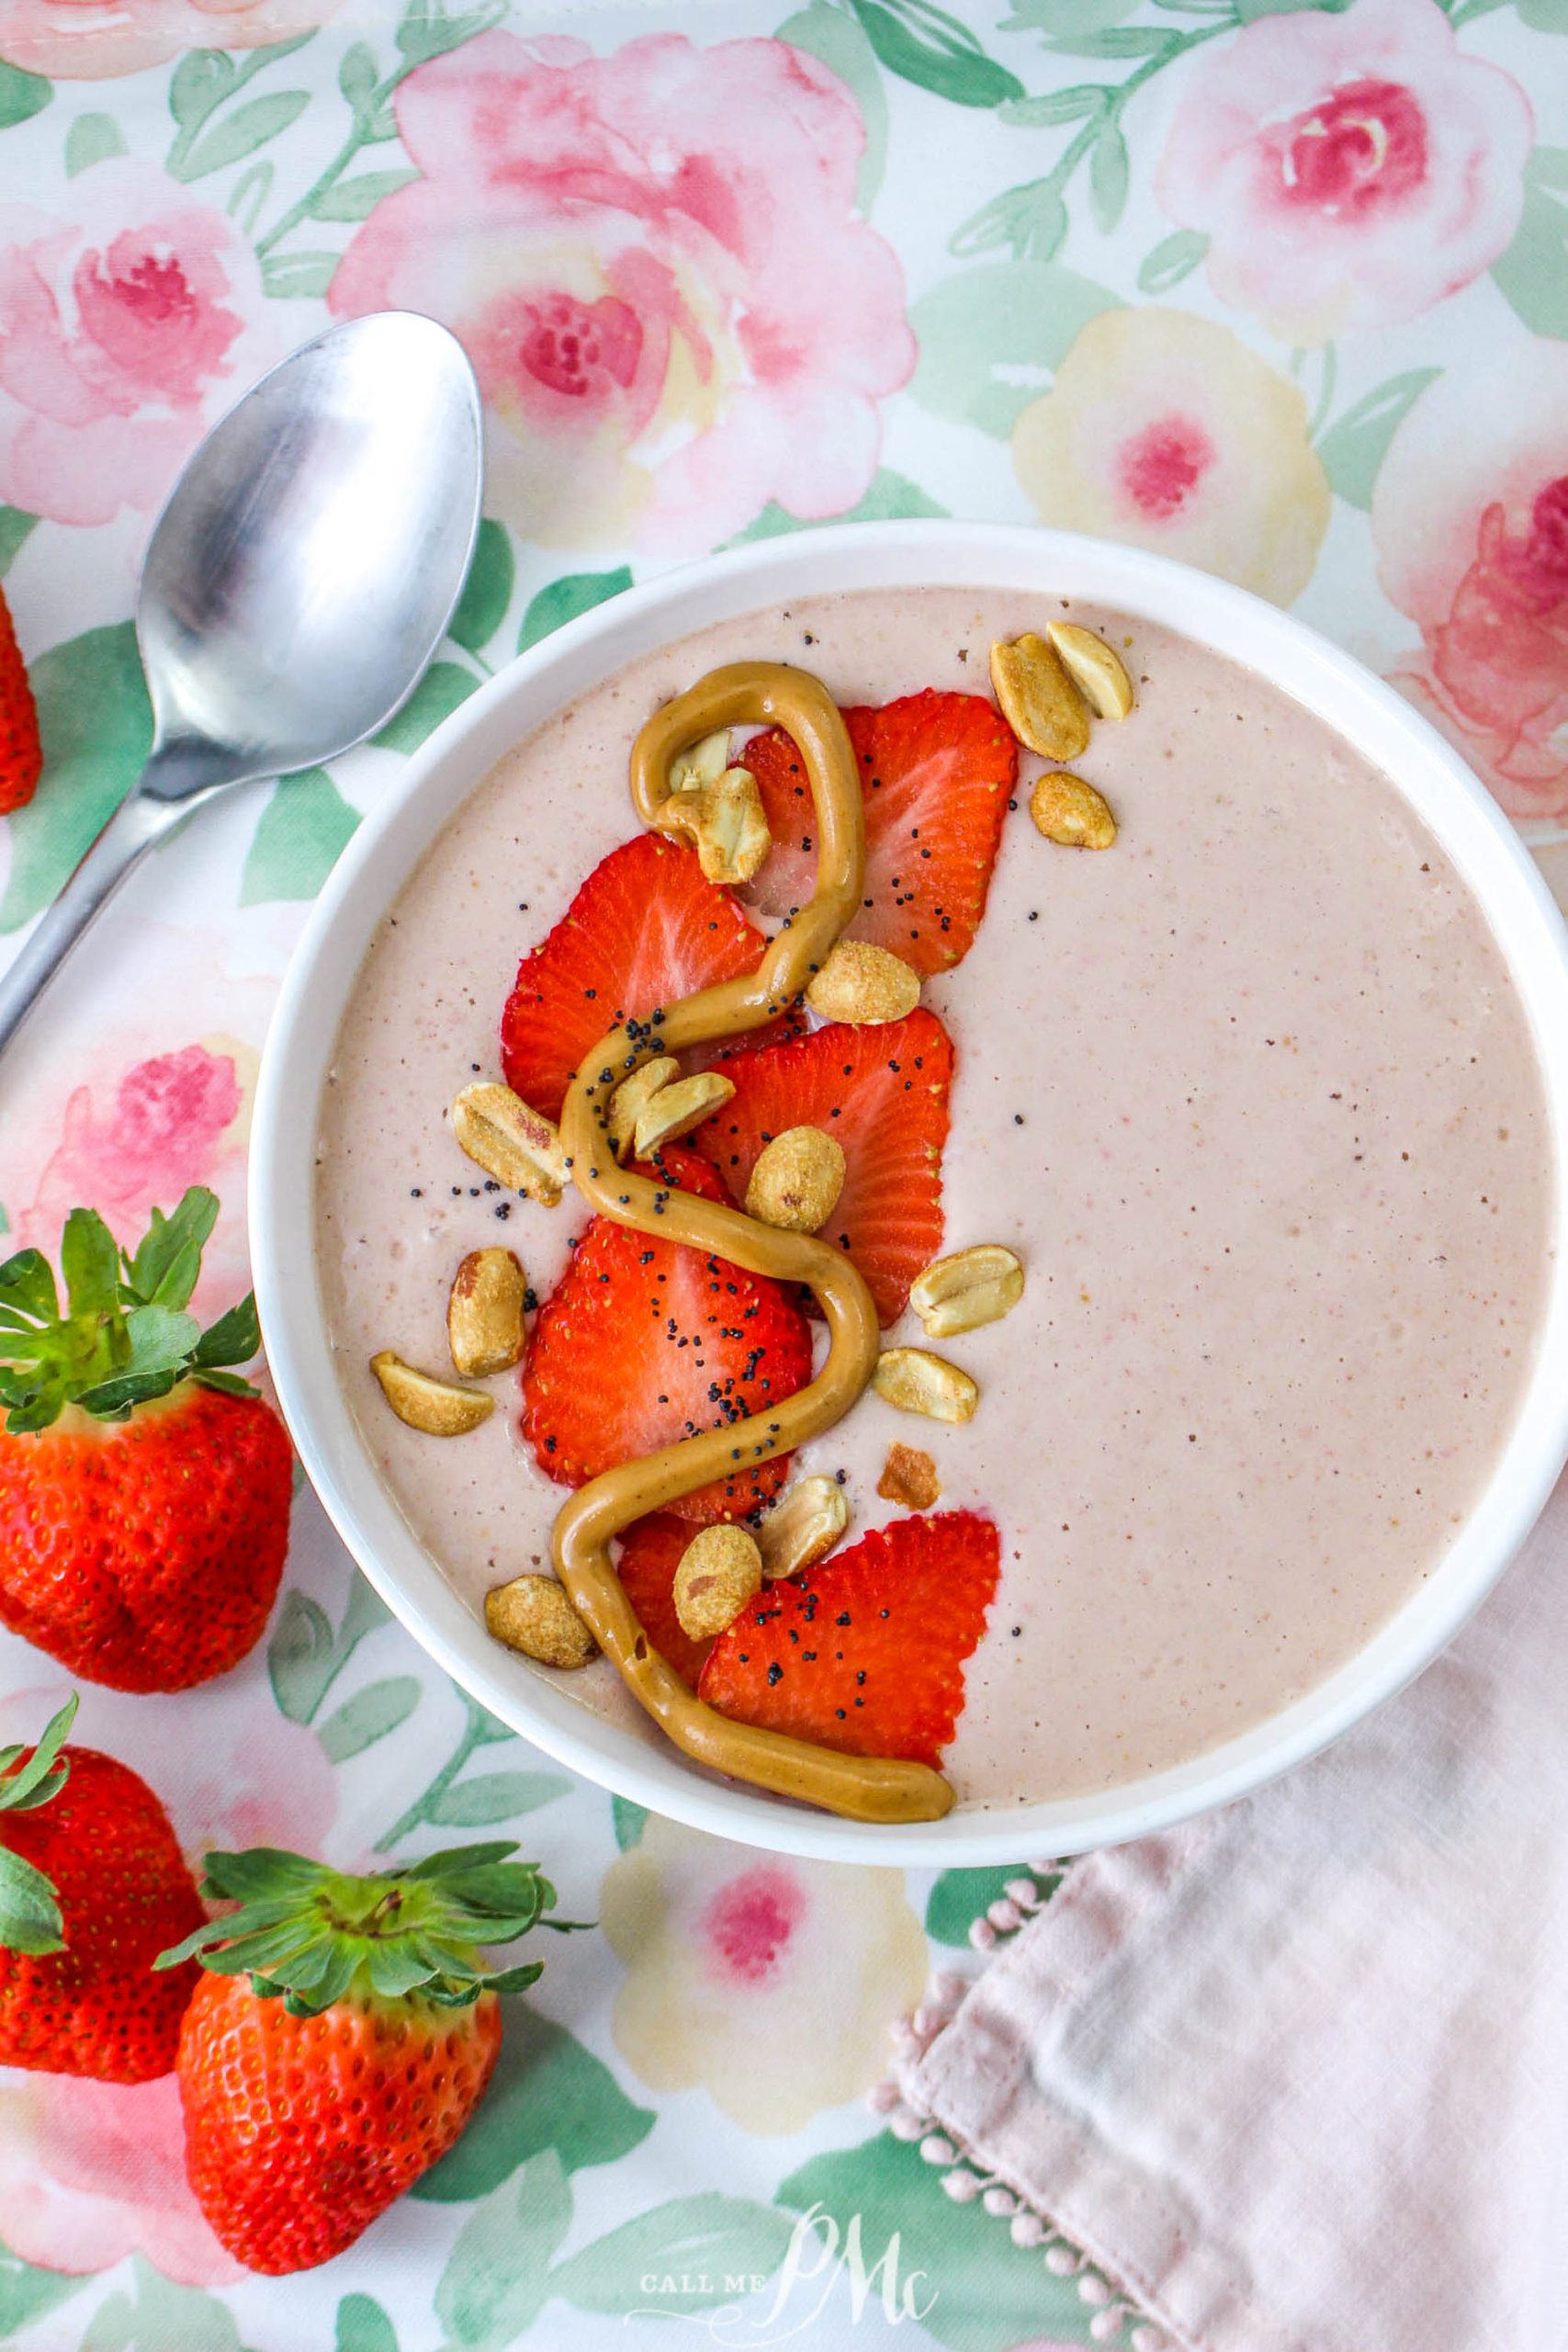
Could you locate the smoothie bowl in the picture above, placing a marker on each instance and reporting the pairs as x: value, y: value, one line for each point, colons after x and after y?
x: 964, y: 1278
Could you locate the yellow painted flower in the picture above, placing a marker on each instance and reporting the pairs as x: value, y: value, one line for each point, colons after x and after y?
x: 1164, y: 430
x: 771, y: 1982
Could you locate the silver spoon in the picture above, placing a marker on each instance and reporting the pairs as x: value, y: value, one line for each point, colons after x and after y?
x: 297, y: 584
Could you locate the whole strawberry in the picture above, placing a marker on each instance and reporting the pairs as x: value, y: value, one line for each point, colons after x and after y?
x: 21, y: 760
x: 92, y: 1887
x: 345, y: 2036
x: 144, y: 1487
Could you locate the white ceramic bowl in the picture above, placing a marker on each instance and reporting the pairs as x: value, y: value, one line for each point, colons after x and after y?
x: 1438, y: 787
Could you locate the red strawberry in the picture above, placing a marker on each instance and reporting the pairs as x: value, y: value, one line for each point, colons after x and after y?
x: 865, y: 1651
x: 936, y: 773
x: 645, y: 1343
x: 21, y: 759
x: 650, y: 1553
x: 345, y: 2036
x: 882, y: 1092
x: 644, y: 929
x: 144, y: 1488
x: 92, y: 1885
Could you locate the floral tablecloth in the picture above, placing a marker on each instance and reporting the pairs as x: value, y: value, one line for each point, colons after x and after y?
x: 1282, y: 289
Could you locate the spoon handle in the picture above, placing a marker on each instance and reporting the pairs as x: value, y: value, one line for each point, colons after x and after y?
x: 139, y: 821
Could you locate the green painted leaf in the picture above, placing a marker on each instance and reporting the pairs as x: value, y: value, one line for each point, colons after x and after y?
x: 21, y: 95
x: 92, y: 139
x: 891, y: 498
x: 494, y: 1796
x: 935, y: 51
x: 298, y: 838
x: 497, y: 2274
x: 1031, y: 219
x: 564, y: 599
x: 959, y: 1898
x: 355, y: 200
x: 1248, y: 11
x: 1533, y: 273
x: 158, y: 2317
x: 1110, y: 176
x: 363, y: 2326
x: 241, y: 133
x: 444, y: 686
x: 249, y: 193
x: 297, y: 277
x: 1053, y: 107
x: 299, y: 1655
x: 16, y: 529
x: 1544, y: 16
x: 989, y: 338
x: 1172, y: 260
x: 201, y: 78
x: 699, y: 2240
x: 26, y: 2293
x: 1353, y: 448
x: 629, y: 1820
x: 548, y: 2091
x: 368, y: 1716
x: 487, y: 592
x: 990, y: 2294
x: 1130, y: 40
x: 840, y: 42
x: 97, y: 725
x: 358, y: 76
x: 1053, y: 17
x: 1548, y: 167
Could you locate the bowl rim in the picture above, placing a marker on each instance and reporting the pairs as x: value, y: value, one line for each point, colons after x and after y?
x: 1421, y: 764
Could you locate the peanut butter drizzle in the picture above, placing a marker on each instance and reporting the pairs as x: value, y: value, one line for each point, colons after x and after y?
x: 866, y: 1787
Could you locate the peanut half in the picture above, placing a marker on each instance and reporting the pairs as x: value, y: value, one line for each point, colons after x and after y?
x: 909, y: 1476
x: 1039, y: 700
x: 484, y: 1313
x: 1067, y: 810
x: 918, y: 1382
x: 803, y: 1526
x: 725, y: 823
x: 634, y: 1094
x: 518, y: 1146
x: 960, y: 1293
x: 702, y: 764
x: 672, y: 1111
x: 533, y: 1615
x: 438, y: 1408
x: 1098, y: 673
x: 796, y: 1180
x: 717, y: 1574
x: 863, y: 984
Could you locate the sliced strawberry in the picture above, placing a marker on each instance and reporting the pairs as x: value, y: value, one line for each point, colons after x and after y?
x: 645, y: 1343
x: 644, y: 929
x: 650, y: 1553
x: 936, y: 772
x: 864, y: 1652
x: 881, y: 1092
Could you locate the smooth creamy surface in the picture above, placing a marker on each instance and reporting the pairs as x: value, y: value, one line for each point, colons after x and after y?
x: 1250, y: 1094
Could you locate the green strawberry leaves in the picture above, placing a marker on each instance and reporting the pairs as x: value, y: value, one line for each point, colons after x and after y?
x: 124, y: 1337
x: 30, y: 1912
x: 309, y: 1934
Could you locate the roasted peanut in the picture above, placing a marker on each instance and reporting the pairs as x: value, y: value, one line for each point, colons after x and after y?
x: 438, y: 1408
x: 960, y: 1293
x: 796, y: 1180
x: 802, y: 1527
x: 1098, y: 673
x: 725, y: 824
x: 633, y: 1095
x: 717, y: 1574
x: 533, y: 1615
x: 1039, y: 700
x: 484, y: 1313
x: 863, y: 984
x: 918, y: 1382
x: 909, y: 1476
x: 674, y: 1111
x: 517, y: 1146
x: 702, y: 764
x: 1067, y: 810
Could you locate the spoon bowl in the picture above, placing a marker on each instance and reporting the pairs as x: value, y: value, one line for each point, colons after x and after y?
x: 298, y: 582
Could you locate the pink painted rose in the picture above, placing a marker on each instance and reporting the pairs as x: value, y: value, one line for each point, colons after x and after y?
x: 1347, y: 170
x: 86, y: 41
x: 654, y: 261
x: 125, y: 331
x: 1469, y: 519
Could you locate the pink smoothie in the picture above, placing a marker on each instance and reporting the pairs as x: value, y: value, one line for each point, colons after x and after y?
x: 1250, y: 1094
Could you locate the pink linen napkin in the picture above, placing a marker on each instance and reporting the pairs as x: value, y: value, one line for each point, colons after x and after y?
x: 1296, y: 2076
